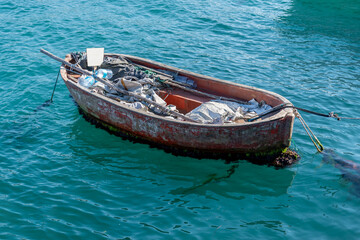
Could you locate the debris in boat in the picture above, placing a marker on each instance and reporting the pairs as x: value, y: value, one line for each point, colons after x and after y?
x: 220, y: 111
x: 180, y: 79
x: 86, y: 81
x: 146, y: 83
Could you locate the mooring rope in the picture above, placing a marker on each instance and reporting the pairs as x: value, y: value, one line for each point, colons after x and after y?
x: 311, y: 135
x: 289, y: 105
x: 52, y: 95
x: 329, y: 115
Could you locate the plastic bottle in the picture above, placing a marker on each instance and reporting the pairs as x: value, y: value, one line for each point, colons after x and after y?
x: 104, y: 73
x: 86, y: 81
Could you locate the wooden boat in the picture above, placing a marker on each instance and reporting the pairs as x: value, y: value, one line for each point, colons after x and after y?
x: 250, y: 140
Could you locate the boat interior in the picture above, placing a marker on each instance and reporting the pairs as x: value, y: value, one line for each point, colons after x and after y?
x: 213, y: 86
x: 185, y: 100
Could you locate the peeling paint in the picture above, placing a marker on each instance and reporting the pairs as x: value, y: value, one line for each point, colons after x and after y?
x: 241, y: 138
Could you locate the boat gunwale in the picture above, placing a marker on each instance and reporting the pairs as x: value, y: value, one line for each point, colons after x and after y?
x: 277, y: 116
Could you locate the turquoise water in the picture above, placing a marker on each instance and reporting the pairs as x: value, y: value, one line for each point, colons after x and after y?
x: 62, y: 178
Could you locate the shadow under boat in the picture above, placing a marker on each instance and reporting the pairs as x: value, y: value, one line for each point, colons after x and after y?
x: 233, y: 180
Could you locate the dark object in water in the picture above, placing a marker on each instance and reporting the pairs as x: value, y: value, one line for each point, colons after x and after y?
x: 286, y: 158
x: 212, y: 178
x: 350, y: 170
x: 45, y: 104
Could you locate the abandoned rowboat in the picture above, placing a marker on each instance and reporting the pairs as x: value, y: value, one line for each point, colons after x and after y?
x: 268, y: 135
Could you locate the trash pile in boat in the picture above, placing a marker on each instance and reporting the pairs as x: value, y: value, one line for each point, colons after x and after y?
x: 147, y: 83
x: 220, y: 111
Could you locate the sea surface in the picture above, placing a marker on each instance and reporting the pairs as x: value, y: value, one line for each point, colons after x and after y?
x: 63, y: 178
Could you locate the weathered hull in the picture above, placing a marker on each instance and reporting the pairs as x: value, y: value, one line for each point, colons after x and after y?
x: 248, y: 139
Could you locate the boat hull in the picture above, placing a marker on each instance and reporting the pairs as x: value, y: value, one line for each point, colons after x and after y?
x: 247, y: 140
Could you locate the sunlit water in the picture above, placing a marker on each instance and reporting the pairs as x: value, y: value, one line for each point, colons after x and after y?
x: 62, y: 178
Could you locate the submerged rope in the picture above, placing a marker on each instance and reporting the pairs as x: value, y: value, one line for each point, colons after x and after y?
x: 52, y: 95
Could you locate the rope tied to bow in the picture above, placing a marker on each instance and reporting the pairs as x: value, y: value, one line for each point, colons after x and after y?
x: 311, y: 135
